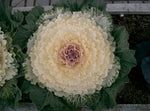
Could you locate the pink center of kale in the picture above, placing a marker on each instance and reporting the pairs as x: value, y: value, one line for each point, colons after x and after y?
x: 70, y: 54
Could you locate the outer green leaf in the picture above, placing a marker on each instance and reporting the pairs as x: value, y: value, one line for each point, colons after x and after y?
x: 26, y: 31
x: 33, y: 15
x: 20, y: 57
x: 5, y: 14
x: 76, y: 5
x: 9, y: 22
x: 100, y: 4
x: 108, y: 95
x: 10, y: 94
x: 121, y: 37
x: 23, y: 34
x: 26, y: 87
x: 17, y: 19
x: 113, y: 90
x: 127, y: 61
x: 43, y: 99
x: 126, y: 56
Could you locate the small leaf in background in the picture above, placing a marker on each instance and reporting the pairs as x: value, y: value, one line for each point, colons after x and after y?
x: 76, y: 5
x: 142, y: 50
x: 146, y: 68
x: 10, y: 94
x: 8, y: 21
x: 33, y: 15
x: 100, y: 4
x: 5, y: 14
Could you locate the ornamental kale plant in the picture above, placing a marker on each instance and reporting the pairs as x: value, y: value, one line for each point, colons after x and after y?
x: 74, y: 56
x: 10, y: 94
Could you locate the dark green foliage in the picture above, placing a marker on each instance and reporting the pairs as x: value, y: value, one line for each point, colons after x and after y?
x: 77, y: 5
x: 10, y: 94
x: 25, y: 31
x: 20, y: 58
x: 44, y: 99
x: 127, y: 60
x: 108, y: 95
x: 99, y: 4
x: 126, y: 56
x: 8, y: 21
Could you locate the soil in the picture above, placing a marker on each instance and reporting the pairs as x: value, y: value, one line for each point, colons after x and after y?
x: 138, y: 26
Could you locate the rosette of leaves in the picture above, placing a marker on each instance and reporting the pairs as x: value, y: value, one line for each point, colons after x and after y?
x: 75, y: 57
x: 10, y: 94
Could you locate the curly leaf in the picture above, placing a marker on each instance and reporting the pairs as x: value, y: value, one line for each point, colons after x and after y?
x: 20, y: 57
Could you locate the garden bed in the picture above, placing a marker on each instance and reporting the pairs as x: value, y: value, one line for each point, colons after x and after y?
x: 134, y: 92
x: 138, y: 26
